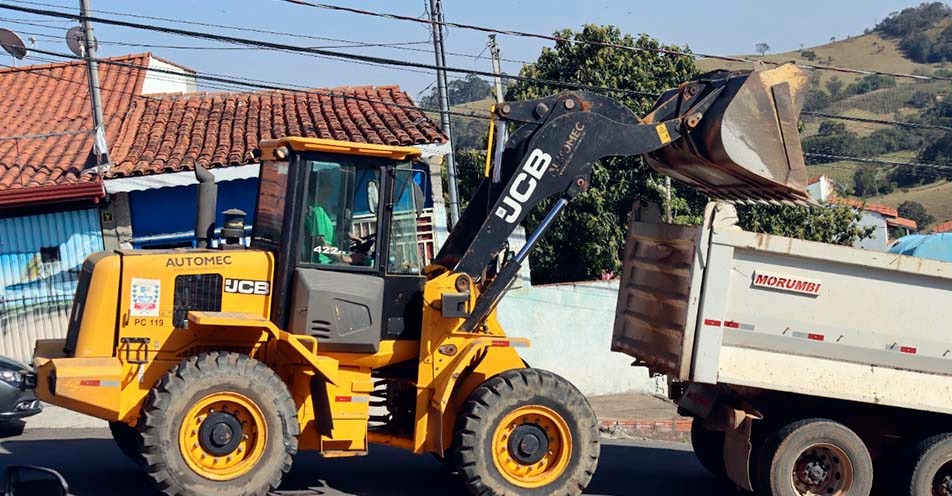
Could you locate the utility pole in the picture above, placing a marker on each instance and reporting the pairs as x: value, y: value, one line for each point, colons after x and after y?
x: 92, y: 72
x: 501, y: 131
x: 436, y: 23
x: 668, y: 217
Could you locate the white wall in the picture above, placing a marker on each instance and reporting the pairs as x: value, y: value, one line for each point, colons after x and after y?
x: 880, y: 237
x: 570, y: 326
x: 163, y: 82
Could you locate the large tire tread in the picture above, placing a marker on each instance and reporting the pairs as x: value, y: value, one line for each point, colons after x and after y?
x: 498, y: 396
x: 782, y: 446
x: 162, y: 460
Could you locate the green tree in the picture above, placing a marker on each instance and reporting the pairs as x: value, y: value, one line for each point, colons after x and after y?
x: 915, y: 211
x: 835, y: 86
x: 762, y: 48
x: 836, y: 224
x: 469, y: 89
x: 589, y: 237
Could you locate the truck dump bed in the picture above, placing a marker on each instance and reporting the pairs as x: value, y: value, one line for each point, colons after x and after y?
x: 716, y: 304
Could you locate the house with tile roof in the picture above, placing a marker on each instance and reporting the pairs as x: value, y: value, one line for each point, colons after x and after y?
x: 57, y: 206
x: 151, y: 181
x: 51, y: 189
x: 886, y: 222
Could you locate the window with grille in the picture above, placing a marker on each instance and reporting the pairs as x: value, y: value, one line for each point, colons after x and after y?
x: 199, y: 292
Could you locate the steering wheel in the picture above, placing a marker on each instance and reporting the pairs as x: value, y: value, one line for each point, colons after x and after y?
x: 364, y: 245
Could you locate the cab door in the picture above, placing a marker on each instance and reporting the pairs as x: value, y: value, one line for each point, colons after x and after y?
x: 356, y: 278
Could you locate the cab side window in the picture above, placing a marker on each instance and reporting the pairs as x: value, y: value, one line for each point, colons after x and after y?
x: 339, y: 223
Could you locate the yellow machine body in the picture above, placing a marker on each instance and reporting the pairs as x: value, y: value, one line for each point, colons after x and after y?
x: 124, y: 347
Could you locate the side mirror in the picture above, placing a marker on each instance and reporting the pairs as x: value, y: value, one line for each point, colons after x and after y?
x: 28, y: 480
x: 373, y: 196
x: 418, y: 199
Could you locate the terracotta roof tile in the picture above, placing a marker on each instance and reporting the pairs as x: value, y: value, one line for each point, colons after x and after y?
x: 54, y: 98
x: 902, y: 222
x: 174, y: 132
x: 943, y: 227
x: 869, y: 207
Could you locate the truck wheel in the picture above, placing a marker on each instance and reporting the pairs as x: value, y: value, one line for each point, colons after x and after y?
x: 816, y: 457
x: 708, y: 448
x: 526, y: 432
x: 127, y: 439
x: 219, y: 424
x: 930, y: 468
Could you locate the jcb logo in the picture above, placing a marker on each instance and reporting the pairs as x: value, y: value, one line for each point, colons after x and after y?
x: 523, y: 186
x: 243, y: 286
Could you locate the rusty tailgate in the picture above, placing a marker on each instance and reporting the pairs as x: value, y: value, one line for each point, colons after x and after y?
x: 654, y: 295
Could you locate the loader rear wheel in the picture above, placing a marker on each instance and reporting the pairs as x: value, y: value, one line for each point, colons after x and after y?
x: 219, y: 423
x: 127, y: 439
x: 526, y: 432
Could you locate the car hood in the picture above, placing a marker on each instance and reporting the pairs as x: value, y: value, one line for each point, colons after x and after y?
x: 11, y: 364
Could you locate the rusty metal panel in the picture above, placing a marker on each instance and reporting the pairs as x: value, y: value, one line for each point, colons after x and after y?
x: 654, y: 294
x: 40, y: 260
x: 746, y: 146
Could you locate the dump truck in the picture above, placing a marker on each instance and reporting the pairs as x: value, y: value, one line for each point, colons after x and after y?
x: 805, y: 365
x: 214, y: 366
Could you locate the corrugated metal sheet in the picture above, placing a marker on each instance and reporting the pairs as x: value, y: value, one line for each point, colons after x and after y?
x: 40, y: 259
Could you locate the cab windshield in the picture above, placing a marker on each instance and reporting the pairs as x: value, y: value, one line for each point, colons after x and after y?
x: 342, y: 209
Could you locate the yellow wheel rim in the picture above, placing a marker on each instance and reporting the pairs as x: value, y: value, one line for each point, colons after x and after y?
x: 223, y: 436
x: 521, y: 454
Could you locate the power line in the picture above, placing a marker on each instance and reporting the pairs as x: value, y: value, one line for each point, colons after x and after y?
x: 238, y: 81
x: 524, y: 34
x: 876, y: 161
x: 299, y: 49
x: 912, y: 125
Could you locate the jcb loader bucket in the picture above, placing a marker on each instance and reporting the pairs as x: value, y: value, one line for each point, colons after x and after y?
x: 746, y: 146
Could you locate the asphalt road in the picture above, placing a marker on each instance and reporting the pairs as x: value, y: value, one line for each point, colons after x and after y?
x: 92, y: 465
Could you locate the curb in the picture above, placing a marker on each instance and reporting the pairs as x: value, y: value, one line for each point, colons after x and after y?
x: 682, y: 425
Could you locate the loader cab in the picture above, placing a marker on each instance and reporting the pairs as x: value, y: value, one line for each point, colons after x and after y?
x: 341, y: 221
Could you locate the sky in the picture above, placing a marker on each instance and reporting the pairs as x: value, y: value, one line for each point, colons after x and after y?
x: 720, y: 27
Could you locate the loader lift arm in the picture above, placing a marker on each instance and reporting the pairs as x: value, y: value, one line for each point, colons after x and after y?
x: 563, y: 135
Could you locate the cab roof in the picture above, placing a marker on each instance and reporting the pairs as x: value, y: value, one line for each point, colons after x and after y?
x: 300, y: 144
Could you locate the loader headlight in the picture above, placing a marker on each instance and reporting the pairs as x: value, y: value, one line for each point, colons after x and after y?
x: 12, y: 378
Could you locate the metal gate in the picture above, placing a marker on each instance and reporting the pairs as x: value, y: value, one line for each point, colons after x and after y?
x: 40, y: 259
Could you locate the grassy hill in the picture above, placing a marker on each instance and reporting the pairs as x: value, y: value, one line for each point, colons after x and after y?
x: 869, y: 51
x: 936, y: 197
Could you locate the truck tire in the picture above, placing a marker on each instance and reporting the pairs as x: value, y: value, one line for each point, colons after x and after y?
x: 526, y: 432
x: 929, y: 468
x: 815, y: 456
x: 128, y: 440
x: 709, y: 448
x: 219, y: 424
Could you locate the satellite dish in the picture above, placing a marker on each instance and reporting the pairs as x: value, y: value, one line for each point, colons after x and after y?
x: 12, y: 43
x: 74, y: 40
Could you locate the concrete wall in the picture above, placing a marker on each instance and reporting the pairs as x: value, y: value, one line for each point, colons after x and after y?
x: 163, y: 82
x: 879, y: 240
x: 570, y: 326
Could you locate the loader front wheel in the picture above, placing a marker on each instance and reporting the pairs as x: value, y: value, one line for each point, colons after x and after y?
x: 219, y: 423
x: 526, y: 432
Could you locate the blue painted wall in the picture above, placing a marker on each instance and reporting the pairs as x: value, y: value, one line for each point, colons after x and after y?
x: 40, y: 259
x: 170, y: 212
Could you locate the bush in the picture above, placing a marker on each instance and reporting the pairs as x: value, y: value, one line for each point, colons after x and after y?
x: 921, y: 99
x: 917, y: 212
x: 808, y: 55
x: 816, y: 99
x: 871, y: 82
x: 828, y: 128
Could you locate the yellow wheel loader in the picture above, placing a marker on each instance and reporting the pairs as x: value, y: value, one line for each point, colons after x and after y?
x: 215, y: 365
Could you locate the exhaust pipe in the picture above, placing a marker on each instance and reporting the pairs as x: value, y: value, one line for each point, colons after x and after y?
x: 205, y: 213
